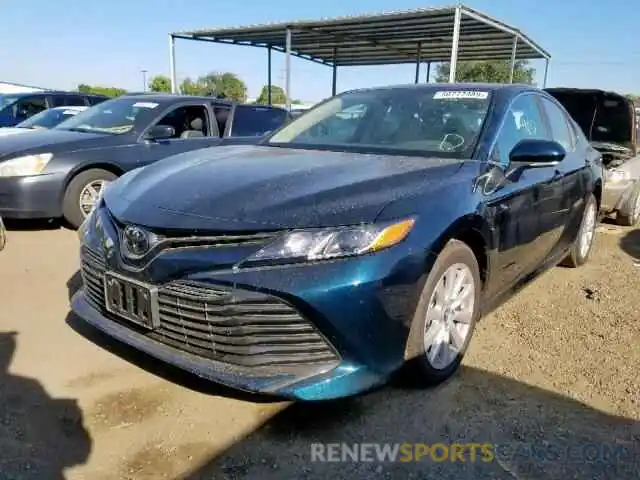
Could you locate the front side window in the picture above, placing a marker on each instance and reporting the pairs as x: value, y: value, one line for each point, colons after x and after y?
x: 29, y: 106
x: 522, y: 121
x: 429, y: 121
x: 187, y: 122
x: 117, y: 116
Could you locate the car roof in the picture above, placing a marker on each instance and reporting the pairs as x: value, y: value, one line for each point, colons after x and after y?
x: 56, y: 92
x: 169, y: 97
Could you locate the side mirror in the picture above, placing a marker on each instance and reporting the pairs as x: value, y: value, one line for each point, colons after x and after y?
x: 161, y: 132
x: 537, y: 153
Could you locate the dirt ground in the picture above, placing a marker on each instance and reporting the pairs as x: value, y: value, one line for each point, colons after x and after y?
x: 551, y: 379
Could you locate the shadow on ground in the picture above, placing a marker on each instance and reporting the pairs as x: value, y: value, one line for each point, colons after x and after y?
x: 630, y: 243
x: 40, y: 436
x: 32, y: 225
x: 157, y: 368
x: 536, y: 435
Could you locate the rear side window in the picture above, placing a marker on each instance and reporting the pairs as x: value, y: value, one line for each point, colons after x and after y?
x: 249, y: 121
x: 559, y: 124
x: 74, y: 101
x: 95, y: 100
x: 67, y: 100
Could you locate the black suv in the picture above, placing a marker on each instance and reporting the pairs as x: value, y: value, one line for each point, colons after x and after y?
x: 17, y: 107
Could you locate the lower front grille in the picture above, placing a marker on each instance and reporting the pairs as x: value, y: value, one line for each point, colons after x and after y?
x: 233, y: 326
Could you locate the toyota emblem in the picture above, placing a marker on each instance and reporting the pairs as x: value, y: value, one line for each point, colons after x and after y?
x: 135, y: 241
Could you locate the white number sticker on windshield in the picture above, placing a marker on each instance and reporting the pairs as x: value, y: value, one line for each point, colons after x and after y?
x: 456, y: 94
x: 145, y: 105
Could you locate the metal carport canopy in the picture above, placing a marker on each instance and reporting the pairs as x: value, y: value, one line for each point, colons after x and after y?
x: 428, y: 35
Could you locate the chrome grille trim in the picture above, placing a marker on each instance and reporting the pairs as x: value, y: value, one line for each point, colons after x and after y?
x: 234, y: 326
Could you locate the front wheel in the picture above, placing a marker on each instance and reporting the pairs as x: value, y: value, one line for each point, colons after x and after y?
x: 579, y: 253
x: 82, y: 193
x: 446, y: 315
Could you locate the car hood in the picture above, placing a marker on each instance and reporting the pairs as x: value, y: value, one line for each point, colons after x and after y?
x: 251, y: 188
x: 46, y: 140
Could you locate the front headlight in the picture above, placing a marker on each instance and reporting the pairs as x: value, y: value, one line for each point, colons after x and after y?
x: 308, y: 245
x: 25, y: 166
x: 618, y: 176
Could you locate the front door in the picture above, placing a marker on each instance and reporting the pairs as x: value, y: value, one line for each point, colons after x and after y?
x: 518, y: 199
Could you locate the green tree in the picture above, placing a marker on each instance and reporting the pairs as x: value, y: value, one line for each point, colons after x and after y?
x: 278, y: 96
x: 491, y: 71
x: 160, y: 83
x: 192, y: 87
x: 227, y: 85
x: 100, y: 90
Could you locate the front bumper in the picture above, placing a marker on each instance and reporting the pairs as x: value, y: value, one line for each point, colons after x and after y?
x: 38, y: 196
x: 361, y: 306
x: 304, y: 384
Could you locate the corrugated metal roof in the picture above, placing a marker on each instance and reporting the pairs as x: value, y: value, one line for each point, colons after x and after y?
x: 381, y: 39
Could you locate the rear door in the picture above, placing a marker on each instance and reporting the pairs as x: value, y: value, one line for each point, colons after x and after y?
x: 566, y: 192
x: 194, y: 128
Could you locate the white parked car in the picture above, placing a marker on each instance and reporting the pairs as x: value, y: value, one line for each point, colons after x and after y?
x: 44, y: 120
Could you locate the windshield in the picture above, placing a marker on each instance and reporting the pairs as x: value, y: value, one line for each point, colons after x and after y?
x: 49, y: 118
x: 115, y: 116
x: 429, y: 121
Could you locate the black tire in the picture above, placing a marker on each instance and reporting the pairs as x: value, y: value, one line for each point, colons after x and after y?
x: 631, y: 217
x: 575, y: 258
x: 418, y: 371
x: 71, y: 203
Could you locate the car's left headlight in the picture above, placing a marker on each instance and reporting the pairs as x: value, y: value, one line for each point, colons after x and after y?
x: 25, y: 166
x: 315, y: 244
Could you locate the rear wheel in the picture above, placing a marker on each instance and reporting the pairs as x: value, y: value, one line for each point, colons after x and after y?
x: 445, y: 318
x: 579, y: 253
x: 82, y: 193
x: 630, y: 217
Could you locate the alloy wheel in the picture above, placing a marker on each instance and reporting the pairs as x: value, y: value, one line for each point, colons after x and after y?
x: 449, y: 316
x: 588, y: 229
x: 89, y: 196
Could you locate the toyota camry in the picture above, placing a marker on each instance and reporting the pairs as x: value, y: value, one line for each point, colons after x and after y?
x: 365, y: 238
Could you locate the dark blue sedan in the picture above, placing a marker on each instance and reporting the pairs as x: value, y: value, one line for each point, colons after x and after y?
x: 367, y: 236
